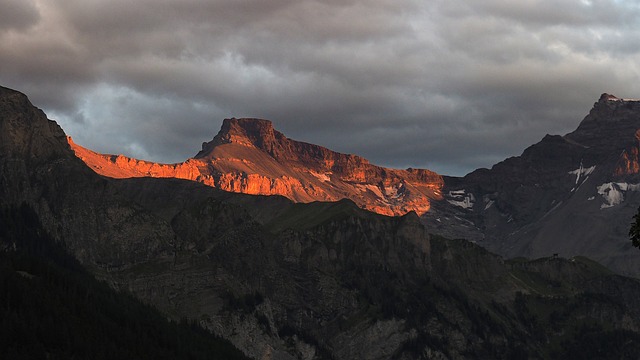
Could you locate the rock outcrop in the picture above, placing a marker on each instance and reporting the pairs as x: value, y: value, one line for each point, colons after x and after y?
x: 249, y: 156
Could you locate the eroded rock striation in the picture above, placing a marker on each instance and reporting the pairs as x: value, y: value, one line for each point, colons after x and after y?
x: 249, y: 156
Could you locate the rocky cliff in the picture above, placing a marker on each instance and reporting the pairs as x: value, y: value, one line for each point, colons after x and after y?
x: 249, y: 156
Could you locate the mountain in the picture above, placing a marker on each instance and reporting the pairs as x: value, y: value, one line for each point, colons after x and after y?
x: 249, y: 156
x: 53, y: 308
x: 569, y: 195
x: 285, y: 280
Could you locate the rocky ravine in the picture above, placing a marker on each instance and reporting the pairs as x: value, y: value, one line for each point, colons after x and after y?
x: 249, y: 156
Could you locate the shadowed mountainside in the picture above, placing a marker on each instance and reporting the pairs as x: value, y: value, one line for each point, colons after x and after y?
x: 571, y: 195
x: 324, y: 280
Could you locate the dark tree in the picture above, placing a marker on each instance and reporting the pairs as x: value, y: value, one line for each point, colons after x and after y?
x: 634, y: 232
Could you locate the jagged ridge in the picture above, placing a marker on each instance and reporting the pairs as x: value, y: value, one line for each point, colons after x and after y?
x: 250, y: 156
x: 571, y: 195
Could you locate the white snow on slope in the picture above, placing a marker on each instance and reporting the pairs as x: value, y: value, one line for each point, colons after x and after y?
x: 582, y: 171
x: 462, y: 199
x: 613, y: 193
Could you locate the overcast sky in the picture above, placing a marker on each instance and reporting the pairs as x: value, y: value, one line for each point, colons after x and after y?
x: 448, y: 85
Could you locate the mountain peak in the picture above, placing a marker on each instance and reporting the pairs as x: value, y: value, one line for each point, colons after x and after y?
x: 248, y: 155
x: 612, y: 102
x: 247, y: 127
x: 607, y: 97
x: 20, y: 120
x: 610, y: 125
x: 243, y: 131
x: 610, y: 98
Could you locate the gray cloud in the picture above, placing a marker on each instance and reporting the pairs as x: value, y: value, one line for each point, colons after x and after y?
x: 17, y: 15
x: 448, y: 85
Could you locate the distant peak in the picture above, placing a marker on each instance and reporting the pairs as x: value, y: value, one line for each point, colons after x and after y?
x: 245, y: 124
x: 244, y: 131
x: 249, y: 121
x: 608, y: 97
x: 609, y: 104
x: 609, y: 123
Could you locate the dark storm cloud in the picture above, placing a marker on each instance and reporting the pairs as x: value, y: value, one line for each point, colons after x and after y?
x: 17, y: 15
x: 449, y: 85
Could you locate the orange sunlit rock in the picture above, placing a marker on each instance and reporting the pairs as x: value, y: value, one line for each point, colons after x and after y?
x: 249, y: 156
x: 629, y: 163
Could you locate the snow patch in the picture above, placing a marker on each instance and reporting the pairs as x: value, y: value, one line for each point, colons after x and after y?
x: 613, y: 98
x: 461, y: 198
x: 582, y: 171
x: 613, y: 193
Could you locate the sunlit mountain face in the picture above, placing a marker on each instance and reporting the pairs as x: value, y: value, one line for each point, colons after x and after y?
x: 249, y: 156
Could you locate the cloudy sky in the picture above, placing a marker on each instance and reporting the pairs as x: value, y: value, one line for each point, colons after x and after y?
x: 449, y: 85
